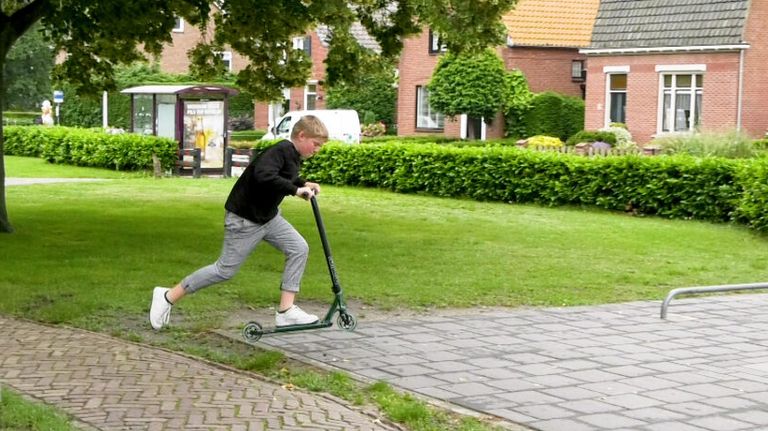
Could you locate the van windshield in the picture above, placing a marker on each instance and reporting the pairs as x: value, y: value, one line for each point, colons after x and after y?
x: 284, y: 127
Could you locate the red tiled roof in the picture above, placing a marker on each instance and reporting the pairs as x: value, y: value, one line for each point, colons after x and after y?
x: 559, y: 23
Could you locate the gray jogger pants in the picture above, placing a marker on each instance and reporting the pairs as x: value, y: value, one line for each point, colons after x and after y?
x: 241, y: 237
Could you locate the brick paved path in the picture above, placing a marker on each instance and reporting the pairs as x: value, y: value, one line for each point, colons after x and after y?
x: 612, y: 367
x: 114, y: 385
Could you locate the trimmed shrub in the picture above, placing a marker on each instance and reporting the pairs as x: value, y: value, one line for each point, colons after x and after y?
x: 541, y: 141
x: 730, y: 144
x: 553, y: 114
x: 674, y: 187
x: 591, y: 136
x: 90, y: 147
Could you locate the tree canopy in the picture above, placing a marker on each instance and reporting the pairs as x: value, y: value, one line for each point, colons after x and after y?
x: 473, y: 83
x: 97, y: 35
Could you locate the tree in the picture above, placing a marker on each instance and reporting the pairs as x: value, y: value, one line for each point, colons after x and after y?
x: 470, y: 83
x: 375, y: 93
x: 97, y: 35
x: 28, y: 72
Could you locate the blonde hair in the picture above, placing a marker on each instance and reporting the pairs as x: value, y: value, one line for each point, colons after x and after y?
x: 311, y: 126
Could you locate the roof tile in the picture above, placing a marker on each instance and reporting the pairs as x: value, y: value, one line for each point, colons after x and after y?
x: 558, y: 23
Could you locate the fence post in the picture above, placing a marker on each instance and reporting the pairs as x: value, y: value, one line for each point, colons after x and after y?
x: 197, y: 168
x: 228, y: 162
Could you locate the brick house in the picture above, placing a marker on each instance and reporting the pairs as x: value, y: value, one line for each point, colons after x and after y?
x: 543, y: 41
x: 676, y: 66
x: 312, y: 96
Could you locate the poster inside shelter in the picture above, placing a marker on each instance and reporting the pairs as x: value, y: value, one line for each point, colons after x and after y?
x: 204, y: 129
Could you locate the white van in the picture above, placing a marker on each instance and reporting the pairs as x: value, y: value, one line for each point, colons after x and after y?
x: 342, y: 124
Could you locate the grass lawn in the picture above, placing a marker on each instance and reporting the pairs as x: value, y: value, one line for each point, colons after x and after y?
x: 88, y: 254
x: 18, y: 413
x: 94, y: 250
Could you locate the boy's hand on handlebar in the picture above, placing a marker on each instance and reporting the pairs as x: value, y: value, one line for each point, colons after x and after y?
x: 305, y: 193
x: 314, y: 186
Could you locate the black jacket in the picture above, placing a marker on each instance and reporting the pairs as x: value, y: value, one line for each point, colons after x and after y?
x: 265, y: 182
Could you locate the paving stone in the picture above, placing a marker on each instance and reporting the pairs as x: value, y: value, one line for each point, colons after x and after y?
x: 632, y: 401
x: 590, y: 406
x: 756, y: 417
x: 560, y: 425
x: 611, y: 421
x: 717, y: 423
x: 544, y: 411
x: 672, y: 395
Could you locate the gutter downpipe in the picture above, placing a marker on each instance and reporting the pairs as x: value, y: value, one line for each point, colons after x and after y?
x: 740, y: 97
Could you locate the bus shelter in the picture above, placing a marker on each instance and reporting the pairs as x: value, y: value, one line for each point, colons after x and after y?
x: 196, y: 116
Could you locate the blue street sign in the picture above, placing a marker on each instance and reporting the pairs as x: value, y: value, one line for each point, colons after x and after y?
x: 58, y: 96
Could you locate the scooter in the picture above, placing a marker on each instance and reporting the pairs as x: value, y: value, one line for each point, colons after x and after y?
x: 253, y: 331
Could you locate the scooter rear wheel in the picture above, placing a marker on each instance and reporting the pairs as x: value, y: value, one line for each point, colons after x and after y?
x: 346, y: 321
x: 252, y: 332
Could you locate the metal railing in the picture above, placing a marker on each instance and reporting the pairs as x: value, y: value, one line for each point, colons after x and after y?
x: 707, y: 289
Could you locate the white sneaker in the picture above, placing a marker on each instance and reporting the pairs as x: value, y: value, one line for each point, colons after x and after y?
x: 160, y: 312
x: 294, y: 316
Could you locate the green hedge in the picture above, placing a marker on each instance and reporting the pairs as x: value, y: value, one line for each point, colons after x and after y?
x: 87, y: 147
x: 674, y: 187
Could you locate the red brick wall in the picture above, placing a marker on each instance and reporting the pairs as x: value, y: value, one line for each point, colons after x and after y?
x: 546, y: 69
x: 719, y: 91
x: 755, y: 102
x: 175, y: 59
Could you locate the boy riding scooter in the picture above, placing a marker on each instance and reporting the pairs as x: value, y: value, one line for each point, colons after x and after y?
x: 252, y: 215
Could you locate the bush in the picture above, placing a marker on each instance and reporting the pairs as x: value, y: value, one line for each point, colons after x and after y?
x: 552, y: 114
x: 730, y: 144
x: 17, y: 118
x: 674, y: 187
x: 591, y: 136
x: 375, y: 93
x: 540, y: 141
x: 247, y: 135
x: 83, y: 147
x: 621, y: 134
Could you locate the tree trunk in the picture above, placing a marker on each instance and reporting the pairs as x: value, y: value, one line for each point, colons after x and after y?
x: 5, y: 225
x: 11, y: 28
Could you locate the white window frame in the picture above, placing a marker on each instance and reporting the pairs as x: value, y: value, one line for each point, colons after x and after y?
x: 226, y: 56
x: 310, y: 94
x: 608, y: 71
x: 426, y: 117
x: 434, y: 40
x: 695, y: 90
x: 179, y: 26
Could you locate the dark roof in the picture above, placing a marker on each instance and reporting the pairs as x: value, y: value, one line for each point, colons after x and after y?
x: 669, y: 23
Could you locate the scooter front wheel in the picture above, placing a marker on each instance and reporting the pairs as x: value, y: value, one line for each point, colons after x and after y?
x: 346, y: 321
x: 252, y: 332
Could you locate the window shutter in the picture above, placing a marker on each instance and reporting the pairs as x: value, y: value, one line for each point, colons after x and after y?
x: 308, y: 45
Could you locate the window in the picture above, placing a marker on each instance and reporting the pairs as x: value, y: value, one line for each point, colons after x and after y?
x: 226, y: 57
x: 303, y: 43
x: 617, y: 98
x: 681, y: 101
x: 178, y: 27
x: 434, y: 43
x: 426, y: 117
x: 310, y: 96
x: 578, y: 72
